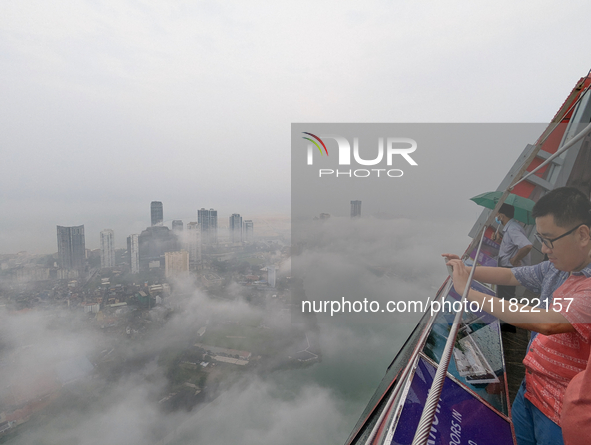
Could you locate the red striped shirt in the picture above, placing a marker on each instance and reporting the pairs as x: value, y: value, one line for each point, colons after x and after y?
x: 553, y: 360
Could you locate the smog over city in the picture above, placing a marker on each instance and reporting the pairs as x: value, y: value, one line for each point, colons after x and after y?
x: 163, y: 218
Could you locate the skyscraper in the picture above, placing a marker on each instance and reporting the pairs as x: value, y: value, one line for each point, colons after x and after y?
x: 355, y: 209
x: 154, y: 242
x: 235, y: 228
x: 157, y: 213
x: 177, y: 226
x: 271, y: 275
x: 107, y: 248
x: 193, y: 243
x: 71, y: 247
x: 177, y: 231
x: 248, y: 228
x: 208, y: 219
x: 133, y: 253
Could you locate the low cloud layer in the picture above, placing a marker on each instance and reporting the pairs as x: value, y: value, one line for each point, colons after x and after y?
x: 267, y: 405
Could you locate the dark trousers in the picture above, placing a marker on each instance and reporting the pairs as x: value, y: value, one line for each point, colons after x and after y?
x: 506, y: 292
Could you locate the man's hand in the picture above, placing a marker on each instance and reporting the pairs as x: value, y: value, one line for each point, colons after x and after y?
x: 496, y: 236
x: 460, y: 275
x: 450, y: 256
x: 515, y: 262
x: 521, y: 254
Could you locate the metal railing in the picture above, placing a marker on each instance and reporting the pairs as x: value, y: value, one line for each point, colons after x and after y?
x: 426, y: 421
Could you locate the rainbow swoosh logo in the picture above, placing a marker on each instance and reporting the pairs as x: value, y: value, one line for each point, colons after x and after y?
x: 315, y: 143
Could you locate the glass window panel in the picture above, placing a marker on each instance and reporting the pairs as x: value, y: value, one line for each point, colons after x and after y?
x: 460, y: 416
x: 477, y: 360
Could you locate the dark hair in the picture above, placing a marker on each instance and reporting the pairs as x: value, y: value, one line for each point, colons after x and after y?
x: 508, y: 210
x: 568, y: 205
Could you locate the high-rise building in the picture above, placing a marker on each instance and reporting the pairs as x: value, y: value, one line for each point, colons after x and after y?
x: 271, y: 275
x: 154, y: 242
x: 355, y: 209
x: 177, y: 231
x: 235, y: 228
x: 71, y: 247
x: 157, y: 213
x: 177, y: 226
x: 248, y: 230
x: 176, y: 264
x: 208, y: 219
x: 133, y: 253
x: 193, y: 243
x: 107, y: 248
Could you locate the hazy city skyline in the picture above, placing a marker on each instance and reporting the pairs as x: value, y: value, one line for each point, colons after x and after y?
x: 93, y: 239
x: 107, y: 106
x: 110, y: 106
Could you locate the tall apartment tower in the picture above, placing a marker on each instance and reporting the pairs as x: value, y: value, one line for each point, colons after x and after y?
x: 176, y: 264
x: 107, y: 248
x: 71, y: 247
x: 235, y: 228
x: 271, y: 276
x: 208, y: 219
x: 355, y: 209
x: 154, y: 242
x: 177, y: 231
x: 133, y: 253
x: 157, y: 213
x: 248, y: 231
x: 193, y: 243
x: 177, y: 226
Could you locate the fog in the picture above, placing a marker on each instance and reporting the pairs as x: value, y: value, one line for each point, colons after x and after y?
x: 109, y: 105
x: 266, y: 404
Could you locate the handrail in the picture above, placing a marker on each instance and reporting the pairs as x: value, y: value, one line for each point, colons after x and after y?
x: 405, y: 372
x: 422, y: 432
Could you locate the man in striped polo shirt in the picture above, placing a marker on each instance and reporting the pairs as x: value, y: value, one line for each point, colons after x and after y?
x: 563, y: 221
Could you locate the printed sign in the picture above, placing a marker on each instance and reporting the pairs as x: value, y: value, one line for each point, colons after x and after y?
x: 460, y: 417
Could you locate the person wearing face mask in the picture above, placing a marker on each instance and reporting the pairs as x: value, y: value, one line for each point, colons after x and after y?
x: 515, y: 246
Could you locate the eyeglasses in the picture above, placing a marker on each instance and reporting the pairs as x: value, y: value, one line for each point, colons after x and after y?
x: 549, y: 243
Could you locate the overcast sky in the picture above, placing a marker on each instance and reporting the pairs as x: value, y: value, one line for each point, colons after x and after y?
x: 106, y: 106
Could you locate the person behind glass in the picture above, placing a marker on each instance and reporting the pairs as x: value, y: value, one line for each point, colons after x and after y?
x: 515, y: 246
